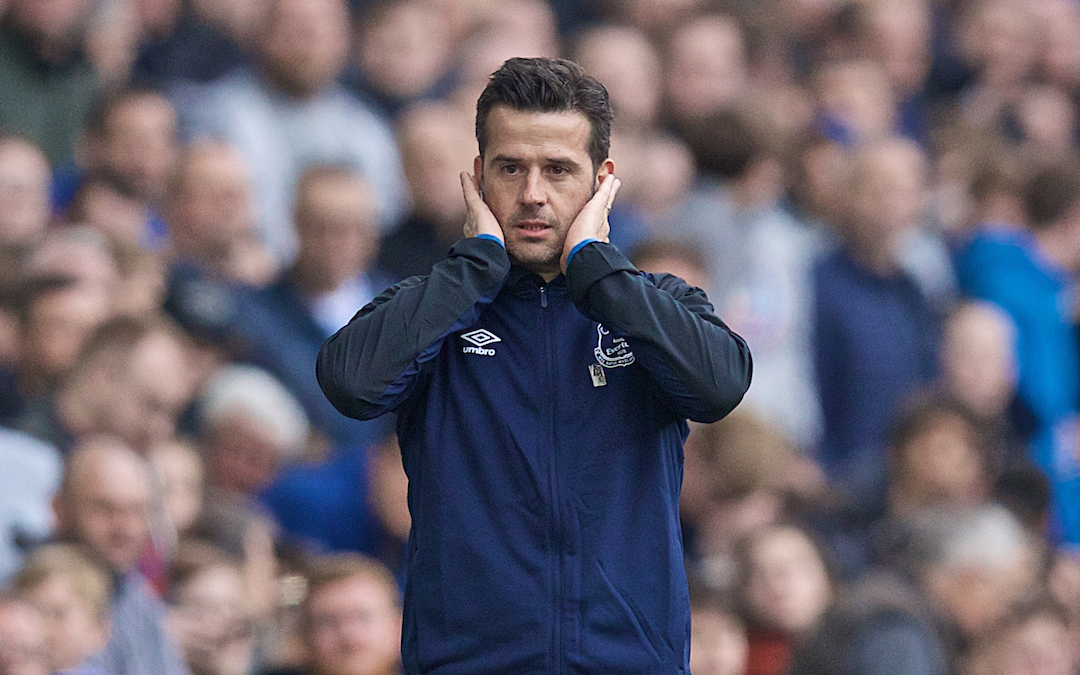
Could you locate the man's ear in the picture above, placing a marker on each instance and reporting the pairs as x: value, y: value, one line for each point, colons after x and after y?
x: 478, y: 171
x: 606, y: 167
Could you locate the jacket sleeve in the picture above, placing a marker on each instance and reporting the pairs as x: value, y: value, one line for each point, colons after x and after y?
x: 702, y: 367
x: 371, y: 366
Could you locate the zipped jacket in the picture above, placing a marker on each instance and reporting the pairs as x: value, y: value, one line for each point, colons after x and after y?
x: 541, y: 428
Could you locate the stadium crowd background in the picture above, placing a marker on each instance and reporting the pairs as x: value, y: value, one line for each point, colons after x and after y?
x: 882, y: 197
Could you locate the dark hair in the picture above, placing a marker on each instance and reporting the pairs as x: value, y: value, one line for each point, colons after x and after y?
x: 1049, y: 194
x: 727, y: 142
x: 548, y: 85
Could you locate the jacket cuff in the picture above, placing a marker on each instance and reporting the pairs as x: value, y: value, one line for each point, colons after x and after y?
x: 591, y: 264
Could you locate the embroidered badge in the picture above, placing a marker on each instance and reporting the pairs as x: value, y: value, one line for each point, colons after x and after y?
x: 480, y: 339
x: 611, y: 352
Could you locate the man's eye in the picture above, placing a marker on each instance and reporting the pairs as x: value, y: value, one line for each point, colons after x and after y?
x: 559, y: 170
x: 510, y: 169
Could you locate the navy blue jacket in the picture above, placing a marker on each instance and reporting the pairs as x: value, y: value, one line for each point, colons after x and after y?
x: 541, y: 427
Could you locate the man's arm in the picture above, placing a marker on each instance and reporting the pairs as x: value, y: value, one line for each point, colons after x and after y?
x: 369, y: 367
x: 701, y: 365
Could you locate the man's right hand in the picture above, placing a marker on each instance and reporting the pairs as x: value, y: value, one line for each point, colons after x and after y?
x: 480, y: 219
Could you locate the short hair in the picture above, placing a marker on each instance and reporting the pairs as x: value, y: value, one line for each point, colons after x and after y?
x: 923, y: 413
x: 1050, y: 192
x: 255, y: 392
x: 97, y: 121
x: 115, y: 341
x: 727, y: 142
x: 331, y: 569
x: 90, y: 579
x: 548, y: 85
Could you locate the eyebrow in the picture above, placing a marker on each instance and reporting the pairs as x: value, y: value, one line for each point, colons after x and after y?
x: 563, y: 161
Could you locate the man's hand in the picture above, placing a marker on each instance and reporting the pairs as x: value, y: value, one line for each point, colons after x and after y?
x: 592, y: 222
x: 480, y: 219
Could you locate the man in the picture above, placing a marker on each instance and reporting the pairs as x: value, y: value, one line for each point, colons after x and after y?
x: 22, y: 638
x: 282, y: 327
x: 289, y: 112
x: 1029, y: 274
x: 131, y: 381
x: 104, y: 504
x: 350, y: 620
x: 542, y: 385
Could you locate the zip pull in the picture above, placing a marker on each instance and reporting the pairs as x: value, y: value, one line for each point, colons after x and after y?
x: 543, y: 296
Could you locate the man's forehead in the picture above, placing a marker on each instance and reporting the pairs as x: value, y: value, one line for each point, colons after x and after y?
x: 563, y: 132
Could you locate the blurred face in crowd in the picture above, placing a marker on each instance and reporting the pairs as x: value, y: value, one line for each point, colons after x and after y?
x: 889, y: 193
x: 211, y: 205
x: 900, y: 39
x: 151, y: 392
x: 978, y: 358
x: 208, y: 617
x: 241, y: 455
x: 139, y: 144
x: 58, y: 324
x: 82, y: 254
x: 179, y: 472
x: 1001, y: 40
x: 435, y: 144
x: 49, y: 20
x: 120, y: 217
x: 717, y: 643
x: 628, y: 65
x: 787, y: 585
x: 705, y: 67
x: 942, y: 465
x: 335, y: 225
x: 304, y: 44
x: 106, y: 501
x: 856, y: 97
x: 353, y: 628
x: 22, y: 640
x: 1040, y: 646
x: 405, y: 49
x: 536, y: 175
x: 24, y: 194
x: 74, y: 630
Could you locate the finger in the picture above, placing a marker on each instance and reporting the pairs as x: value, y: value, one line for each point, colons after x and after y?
x: 469, y: 188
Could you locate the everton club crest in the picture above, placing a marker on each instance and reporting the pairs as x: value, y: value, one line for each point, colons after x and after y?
x: 612, y: 352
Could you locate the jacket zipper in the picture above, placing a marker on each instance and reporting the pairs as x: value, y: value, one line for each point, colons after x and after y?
x: 556, y: 507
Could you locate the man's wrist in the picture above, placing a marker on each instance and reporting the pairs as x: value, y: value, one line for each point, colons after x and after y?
x: 492, y: 237
x: 577, y: 247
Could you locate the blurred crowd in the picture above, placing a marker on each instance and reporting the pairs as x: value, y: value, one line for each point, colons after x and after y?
x: 881, y: 196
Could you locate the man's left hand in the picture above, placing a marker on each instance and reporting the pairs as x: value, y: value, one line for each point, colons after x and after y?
x: 592, y: 221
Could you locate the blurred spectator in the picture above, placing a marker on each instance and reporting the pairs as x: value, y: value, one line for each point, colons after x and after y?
x: 1058, y: 61
x: 140, y: 289
x: 1046, y: 121
x: 130, y: 381
x: 876, y: 330
x: 717, y: 635
x: 57, y: 316
x: 180, y: 475
x: 1028, y: 273
x: 208, y: 612
x: 28, y: 482
x: 705, y: 68
x: 963, y: 571
x: 856, y: 103
x: 112, y: 40
x: 979, y: 370
x: 760, y: 259
x: 212, y: 223
x: 785, y: 588
x: 436, y: 145
x: 73, y: 592
x: 658, y: 16
x: 104, y: 503
x: 351, y: 618
x: 82, y: 254
x: 49, y: 83
x: 403, y: 49
x: 22, y: 639
x: 24, y: 204
x: 628, y: 64
x: 289, y: 113
x: 250, y: 424
x: 283, y: 326
x: 192, y: 42
x: 102, y: 204
x: 1034, y: 637
x: 660, y: 176
x: 740, y: 475
x: 388, y: 488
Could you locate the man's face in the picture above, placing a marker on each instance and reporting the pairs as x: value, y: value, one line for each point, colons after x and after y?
x: 336, y: 230
x: 140, y: 144
x: 355, y: 628
x: 305, y: 44
x: 108, y: 510
x: 149, y: 394
x: 536, y: 175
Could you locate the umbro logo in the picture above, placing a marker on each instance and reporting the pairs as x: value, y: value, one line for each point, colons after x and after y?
x: 480, y: 338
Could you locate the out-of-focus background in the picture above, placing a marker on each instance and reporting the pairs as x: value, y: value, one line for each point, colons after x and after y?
x: 881, y: 196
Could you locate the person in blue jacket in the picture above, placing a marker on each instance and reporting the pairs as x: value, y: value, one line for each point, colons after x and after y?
x: 542, y: 386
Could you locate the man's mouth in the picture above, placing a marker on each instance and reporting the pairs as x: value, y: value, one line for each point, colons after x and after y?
x: 533, y: 228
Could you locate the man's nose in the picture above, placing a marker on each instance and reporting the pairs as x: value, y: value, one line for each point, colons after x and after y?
x: 533, y: 191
